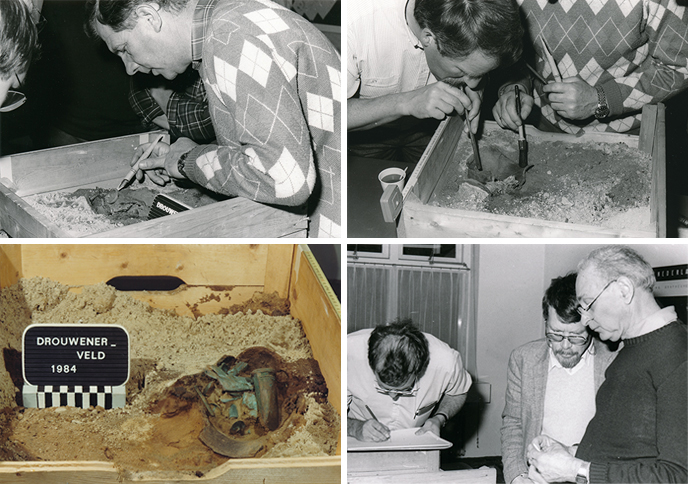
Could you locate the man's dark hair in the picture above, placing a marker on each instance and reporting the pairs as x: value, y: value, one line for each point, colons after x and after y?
x: 561, y: 295
x: 18, y: 38
x: 396, y: 351
x: 463, y: 26
x: 119, y: 15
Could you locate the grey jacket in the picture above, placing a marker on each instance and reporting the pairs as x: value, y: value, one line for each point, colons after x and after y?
x: 525, y: 399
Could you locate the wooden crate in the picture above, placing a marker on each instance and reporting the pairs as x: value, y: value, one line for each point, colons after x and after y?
x: 229, y: 271
x: 104, y: 163
x: 418, y: 219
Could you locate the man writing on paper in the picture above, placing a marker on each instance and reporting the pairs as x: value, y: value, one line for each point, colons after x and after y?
x: 400, y: 377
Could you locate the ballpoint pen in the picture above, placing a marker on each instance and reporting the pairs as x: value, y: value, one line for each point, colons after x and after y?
x: 371, y: 413
x: 132, y: 173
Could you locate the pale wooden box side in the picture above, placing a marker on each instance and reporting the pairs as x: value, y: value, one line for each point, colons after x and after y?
x: 249, y: 268
x: 104, y: 163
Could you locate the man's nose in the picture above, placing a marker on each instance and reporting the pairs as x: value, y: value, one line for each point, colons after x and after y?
x: 131, y: 66
x: 472, y: 82
x: 566, y: 343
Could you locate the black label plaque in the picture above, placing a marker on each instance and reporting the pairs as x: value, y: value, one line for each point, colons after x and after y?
x: 80, y: 354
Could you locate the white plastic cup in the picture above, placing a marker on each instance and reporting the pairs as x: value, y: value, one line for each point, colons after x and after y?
x: 392, y: 176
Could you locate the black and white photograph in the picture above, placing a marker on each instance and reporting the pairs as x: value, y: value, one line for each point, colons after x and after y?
x: 516, y: 363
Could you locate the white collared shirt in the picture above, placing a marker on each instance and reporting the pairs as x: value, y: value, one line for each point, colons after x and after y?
x: 569, y: 398
x: 381, y: 54
x: 445, y: 375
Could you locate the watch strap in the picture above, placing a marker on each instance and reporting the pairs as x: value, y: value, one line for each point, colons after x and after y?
x: 446, y: 418
x: 602, y: 110
x: 582, y: 476
x: 180, y: 164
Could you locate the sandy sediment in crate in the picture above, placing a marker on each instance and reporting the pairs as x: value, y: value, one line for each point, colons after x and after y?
x: 164, y: 346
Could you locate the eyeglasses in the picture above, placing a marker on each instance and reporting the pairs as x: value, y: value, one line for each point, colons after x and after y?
x: 582, y: 310
x: 574, y: 340
x: 406, y: 392
x: 13, y: 100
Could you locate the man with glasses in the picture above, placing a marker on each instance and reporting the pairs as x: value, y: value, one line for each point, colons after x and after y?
x: 551, y: 382
x: 639, y: 432
x: 18, y: 41
x: 399, y: 378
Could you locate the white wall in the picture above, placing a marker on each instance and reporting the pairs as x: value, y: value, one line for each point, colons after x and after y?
x: 511, y: 282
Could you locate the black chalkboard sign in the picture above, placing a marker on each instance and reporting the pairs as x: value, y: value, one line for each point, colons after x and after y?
x: 81, y: 354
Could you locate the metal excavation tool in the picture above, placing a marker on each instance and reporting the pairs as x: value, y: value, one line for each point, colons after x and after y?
x: 522, y: 143
x: 474, y: 144
x: 132, y: 173
x: 550, y: 60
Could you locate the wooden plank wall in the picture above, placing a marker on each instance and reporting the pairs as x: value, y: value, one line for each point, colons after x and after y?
x: 321, y: 321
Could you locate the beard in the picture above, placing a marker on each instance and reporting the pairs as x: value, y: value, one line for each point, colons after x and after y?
x: 567, y: 359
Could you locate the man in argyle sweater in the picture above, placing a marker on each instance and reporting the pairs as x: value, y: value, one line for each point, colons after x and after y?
x: 614, y: 57
x: 272, y: 81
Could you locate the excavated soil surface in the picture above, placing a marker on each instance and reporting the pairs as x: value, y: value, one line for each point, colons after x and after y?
x: 157, y: 433
x: 92, y: 210
x: 598, y: 184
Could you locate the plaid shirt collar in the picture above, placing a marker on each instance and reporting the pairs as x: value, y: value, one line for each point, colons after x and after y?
x: 201, y: 19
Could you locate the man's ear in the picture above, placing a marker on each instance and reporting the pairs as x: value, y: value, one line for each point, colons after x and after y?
x: 426, y: 37
x: 150, y: 12
x: 627, y: 288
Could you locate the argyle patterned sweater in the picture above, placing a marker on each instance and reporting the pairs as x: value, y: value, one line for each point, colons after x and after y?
x: 636, y: 50
x: 273, y: 85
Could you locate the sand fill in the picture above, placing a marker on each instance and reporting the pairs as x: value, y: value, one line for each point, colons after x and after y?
x: 589, y: 183
x: 90, y: 211
x: 158, y: 430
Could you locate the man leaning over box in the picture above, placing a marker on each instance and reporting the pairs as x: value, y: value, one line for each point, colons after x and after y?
x: 272, y: 81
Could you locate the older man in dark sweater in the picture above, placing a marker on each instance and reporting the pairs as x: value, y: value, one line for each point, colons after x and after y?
x: 640, y: 430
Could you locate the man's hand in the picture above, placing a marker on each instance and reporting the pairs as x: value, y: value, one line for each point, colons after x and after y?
x: 552, y: 460
x: 432, y: 424
x: 436, y: 101
x: 504, y: 111
x: 572, y: 98
x: 162, y: 165
x: 371, y: 431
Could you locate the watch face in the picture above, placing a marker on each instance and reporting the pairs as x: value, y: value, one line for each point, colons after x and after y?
x: 601, y: 112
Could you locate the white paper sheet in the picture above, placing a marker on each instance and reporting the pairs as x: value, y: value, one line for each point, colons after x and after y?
x: 404, y: 439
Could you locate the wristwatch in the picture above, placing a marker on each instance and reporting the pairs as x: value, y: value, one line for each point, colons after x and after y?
x: 446, y: 418
x: 582, y: 474
x: 180, y: 164
x: 602, y: 110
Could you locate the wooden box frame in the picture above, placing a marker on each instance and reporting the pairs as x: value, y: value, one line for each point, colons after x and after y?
x: 229, y: 272
x: 420, y: 220
x: 104, y: 163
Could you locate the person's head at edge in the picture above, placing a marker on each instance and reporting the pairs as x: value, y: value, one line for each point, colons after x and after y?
x: 463, y: 40
x: 563, y: 322
x: 398, y: 354
x: 150, y: 36
x: 614, y: 290
x: 18, y: 42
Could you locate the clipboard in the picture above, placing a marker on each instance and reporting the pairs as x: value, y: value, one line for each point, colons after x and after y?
x: 402, y: 439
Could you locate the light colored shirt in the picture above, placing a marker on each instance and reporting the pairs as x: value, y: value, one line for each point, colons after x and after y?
x: 381, y: 54
x: 657, y: 320
x: 569, y: 398
x: 445, y: 375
